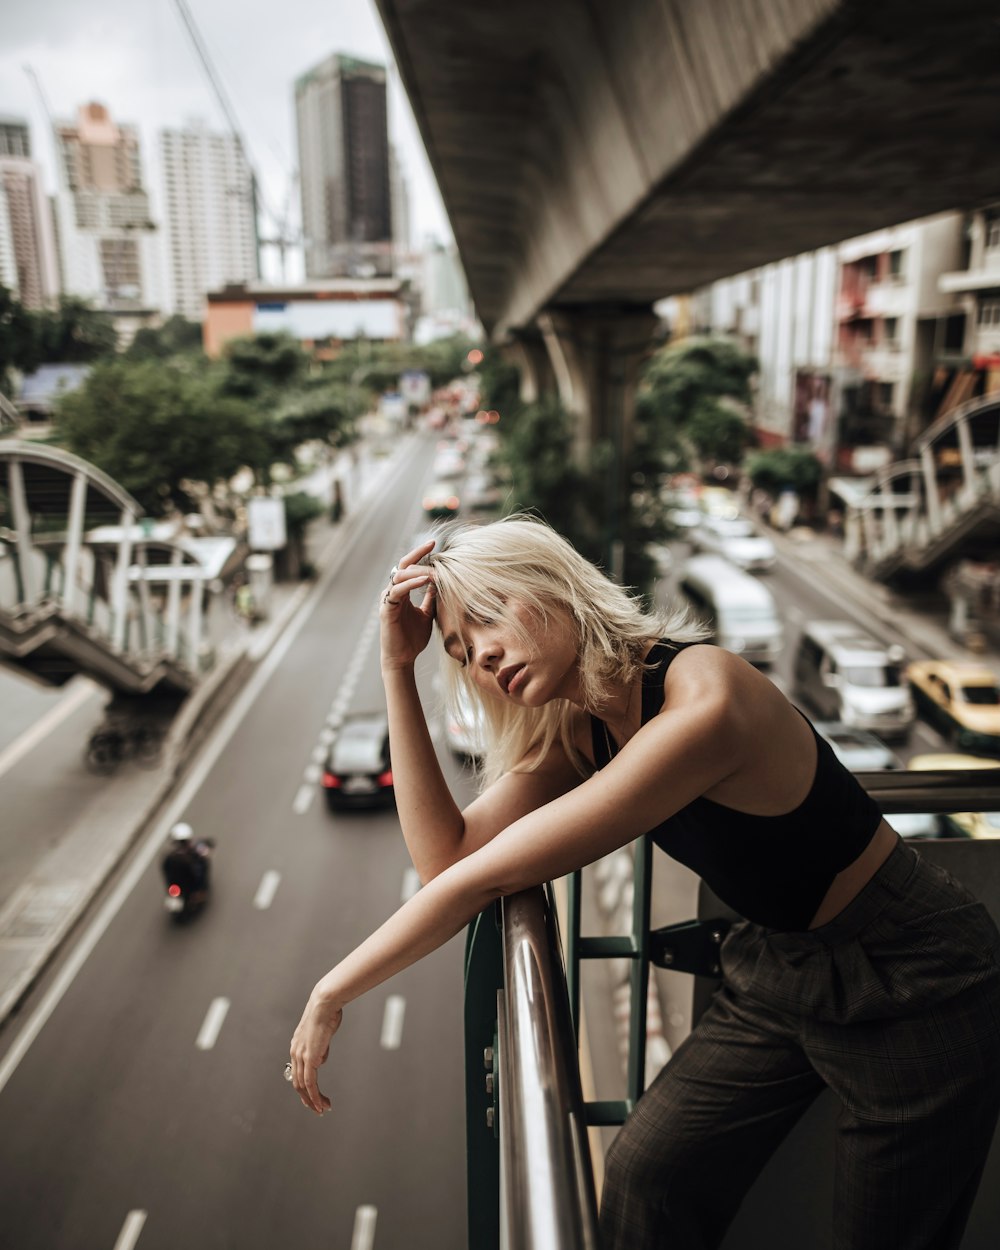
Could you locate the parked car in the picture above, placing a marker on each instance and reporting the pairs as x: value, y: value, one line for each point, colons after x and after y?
x: 961, y: 824
x: 960, y: 699
x: 736, y: 540
x: 440, y: 501
x: 358, y: 772
x: 847, y: 675
x: 449, y: 461
x: 857, y: 749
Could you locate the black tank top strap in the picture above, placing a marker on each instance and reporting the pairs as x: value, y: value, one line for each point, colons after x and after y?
x: 660, y: 656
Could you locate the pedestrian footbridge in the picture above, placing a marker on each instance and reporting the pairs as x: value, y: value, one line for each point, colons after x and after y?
x: 85, y: 587
x: 918, y: 514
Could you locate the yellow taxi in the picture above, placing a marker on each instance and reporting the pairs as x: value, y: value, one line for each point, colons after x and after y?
x: 959, y: 699
x: 962, y: 824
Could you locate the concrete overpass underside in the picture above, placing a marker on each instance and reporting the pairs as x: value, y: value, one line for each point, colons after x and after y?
x: 601, y: 154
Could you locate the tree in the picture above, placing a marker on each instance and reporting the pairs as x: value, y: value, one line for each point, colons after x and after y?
x: 75, y: 333
x: 152, y: 428
x: 176, y: 337
x: 258, y: 366
x: 694, y: 401
x: 325, y: 413
x: 18, y: 337
x: 785, y: 468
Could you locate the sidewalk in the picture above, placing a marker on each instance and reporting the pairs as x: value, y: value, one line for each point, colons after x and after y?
x: 60, y: 883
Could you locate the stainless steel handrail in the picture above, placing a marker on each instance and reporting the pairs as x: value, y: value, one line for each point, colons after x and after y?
x: 547, y: 1195
x: 939, y: 790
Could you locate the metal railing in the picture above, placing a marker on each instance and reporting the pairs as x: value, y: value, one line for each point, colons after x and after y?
x: 530, y: 1175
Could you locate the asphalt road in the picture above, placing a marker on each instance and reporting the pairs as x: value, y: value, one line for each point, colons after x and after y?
x: 151, y: 1109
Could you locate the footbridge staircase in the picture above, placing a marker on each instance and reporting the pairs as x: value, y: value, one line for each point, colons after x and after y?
x: 85, y: 587
x: 919, y: 514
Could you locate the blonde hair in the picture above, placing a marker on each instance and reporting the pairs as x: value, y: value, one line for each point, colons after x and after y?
x: 479, y: 569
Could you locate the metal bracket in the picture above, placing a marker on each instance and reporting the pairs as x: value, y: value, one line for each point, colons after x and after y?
x: 690, y: 946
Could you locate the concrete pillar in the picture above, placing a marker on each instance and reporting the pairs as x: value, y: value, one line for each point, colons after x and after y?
x: 526, y: 349
x: 74, y: 535
x: 146, y: 605
x: 174, y: 602
x: 22, y: 531
x: 968, y: 456
x: 119, y: 583
x: 596, y: 352
x: 931, y: 496
x: 194, y: 620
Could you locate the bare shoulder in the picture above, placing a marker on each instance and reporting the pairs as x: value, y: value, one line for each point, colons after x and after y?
x: 772, y: 745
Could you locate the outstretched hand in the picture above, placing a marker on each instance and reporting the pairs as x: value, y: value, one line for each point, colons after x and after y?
x: 309, y: 1050
x: 406, y: 626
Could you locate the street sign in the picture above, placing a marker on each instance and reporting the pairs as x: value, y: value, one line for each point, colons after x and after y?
x: 266, y: 523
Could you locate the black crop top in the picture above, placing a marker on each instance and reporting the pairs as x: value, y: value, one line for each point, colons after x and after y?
x: 774, y: 870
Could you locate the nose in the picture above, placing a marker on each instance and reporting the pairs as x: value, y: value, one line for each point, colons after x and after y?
x: 487, y: 653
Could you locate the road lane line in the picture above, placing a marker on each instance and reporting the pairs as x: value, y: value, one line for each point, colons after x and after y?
x: 392, y: 1022
x: 411, y: 884
x: 130, y: 1230
x: 42, y: 727
x: 212, y: 1027
x: 194, y: 779
x: 266, y: 890
x: 303, y: 800
x: 363, y: 1237
x: 319, y: 752
x: 327, y: 735
x: 312, y: 774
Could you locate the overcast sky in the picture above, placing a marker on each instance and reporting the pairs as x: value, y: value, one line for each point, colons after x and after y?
x: 136, y: 57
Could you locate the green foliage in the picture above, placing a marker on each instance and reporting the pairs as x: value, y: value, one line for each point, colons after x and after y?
x: 325, y: 412
x: 176, y: 337
x: 499, y: 382
x: 693, y: 401
x: 151, y: 427
x: 72, y: 333
x: 300, y: 509
x: 785, y: 468
x: 537, y: 448
x: 260, y: 365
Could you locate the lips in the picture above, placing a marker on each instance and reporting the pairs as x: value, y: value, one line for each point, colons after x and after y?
x: 509, y: 675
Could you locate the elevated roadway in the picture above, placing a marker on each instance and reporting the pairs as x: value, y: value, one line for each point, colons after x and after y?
x: 594, y: 158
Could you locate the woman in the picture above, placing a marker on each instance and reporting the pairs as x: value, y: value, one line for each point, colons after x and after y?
x: 858, y: 966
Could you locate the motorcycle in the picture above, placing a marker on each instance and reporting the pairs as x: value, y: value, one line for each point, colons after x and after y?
x: 187, y: 878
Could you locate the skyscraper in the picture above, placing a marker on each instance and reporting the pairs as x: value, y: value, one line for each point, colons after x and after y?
x: 28, y: 263
x: 108, y: 240
x: 343, y: 139
x: 209, y: 216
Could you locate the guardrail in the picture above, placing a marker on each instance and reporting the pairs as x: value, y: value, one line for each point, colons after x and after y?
x: 530, y: 1175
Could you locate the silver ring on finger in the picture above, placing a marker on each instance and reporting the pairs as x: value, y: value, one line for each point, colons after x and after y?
x: 288, y: 1070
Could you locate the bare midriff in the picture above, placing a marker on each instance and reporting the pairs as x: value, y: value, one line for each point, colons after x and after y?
x: 849, y: 883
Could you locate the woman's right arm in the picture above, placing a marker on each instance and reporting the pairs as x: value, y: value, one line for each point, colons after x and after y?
x: 437, y: 832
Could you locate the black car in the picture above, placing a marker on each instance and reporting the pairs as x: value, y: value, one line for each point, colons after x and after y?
x: 357, y: 771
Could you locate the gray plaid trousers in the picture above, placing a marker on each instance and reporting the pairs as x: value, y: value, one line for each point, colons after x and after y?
x: 895, y: 1005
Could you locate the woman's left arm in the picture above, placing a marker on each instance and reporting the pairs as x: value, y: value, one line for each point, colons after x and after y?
x: 670, y: 761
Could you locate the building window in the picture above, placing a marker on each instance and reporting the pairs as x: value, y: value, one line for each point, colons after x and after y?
x: 989, y: 314
x: 890, y: 327
x: 993, y: 230
x: 884, y: 394
x: 896, y: 273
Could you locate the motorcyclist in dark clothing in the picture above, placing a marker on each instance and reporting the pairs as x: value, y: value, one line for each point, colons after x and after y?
x: 186, y: 862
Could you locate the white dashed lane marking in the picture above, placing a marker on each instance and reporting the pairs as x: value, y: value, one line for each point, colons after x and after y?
x: 212, y: 1026
x: 266, y: 890
x: 363, y: 1237
x: 130, y: 1230
x: 392, y: 1022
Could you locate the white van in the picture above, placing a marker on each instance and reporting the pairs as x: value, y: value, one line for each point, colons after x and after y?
x: 848, y: 675
x: 739, y: 609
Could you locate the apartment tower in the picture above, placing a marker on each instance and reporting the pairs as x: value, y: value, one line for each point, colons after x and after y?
x: 344, y: 169
x: 210, y: 216
x: 28, y: 260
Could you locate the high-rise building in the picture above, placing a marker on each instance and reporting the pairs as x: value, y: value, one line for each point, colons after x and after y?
x: 28, y: 263
x: 210, y: 217
x: 108, y: 241
x: 343, y: 140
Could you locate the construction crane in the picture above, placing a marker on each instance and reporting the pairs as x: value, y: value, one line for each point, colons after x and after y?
x: 283, y: 238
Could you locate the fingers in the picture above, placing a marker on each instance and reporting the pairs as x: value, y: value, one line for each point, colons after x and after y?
x: 404, y: 581
x: 418, y: 553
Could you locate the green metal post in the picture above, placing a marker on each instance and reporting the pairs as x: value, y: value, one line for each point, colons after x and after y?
x: 483, y: 978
